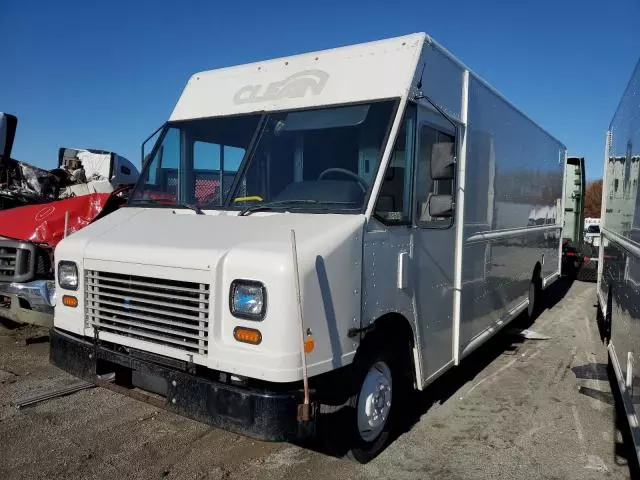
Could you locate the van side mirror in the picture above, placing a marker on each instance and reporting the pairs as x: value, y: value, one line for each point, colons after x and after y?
x: 441, y: 206
x: 8, y: 124
x: 443, y: 160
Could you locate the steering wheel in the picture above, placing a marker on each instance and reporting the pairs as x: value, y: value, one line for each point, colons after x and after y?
x: 361, y: 183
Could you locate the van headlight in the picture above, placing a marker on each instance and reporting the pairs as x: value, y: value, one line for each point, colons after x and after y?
x: 68, y: 275
x: 248, y: 299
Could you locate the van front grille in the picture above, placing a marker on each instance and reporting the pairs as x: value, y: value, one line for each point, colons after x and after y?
x: 167, y: 312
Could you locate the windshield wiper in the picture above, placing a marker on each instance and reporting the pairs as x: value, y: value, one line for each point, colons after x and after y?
x: 155, y: 203
x: 191, y: 206
x: 270, y: 205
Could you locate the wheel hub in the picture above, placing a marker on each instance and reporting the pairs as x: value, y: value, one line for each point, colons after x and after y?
x: 374, y: 401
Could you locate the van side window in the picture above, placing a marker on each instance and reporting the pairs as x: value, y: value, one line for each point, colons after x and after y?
x: 209, y: 158
x: 125, y: 170
x: 425, y: 185
x: 394, y: 198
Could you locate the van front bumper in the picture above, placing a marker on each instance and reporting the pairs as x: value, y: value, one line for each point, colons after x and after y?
x: 259, y: 413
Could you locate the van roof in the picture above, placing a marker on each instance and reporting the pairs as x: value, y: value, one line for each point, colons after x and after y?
x: 355, y: 73
x: 366, y: 71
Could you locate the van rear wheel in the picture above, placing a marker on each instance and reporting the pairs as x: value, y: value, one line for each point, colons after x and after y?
x: 535, y: 298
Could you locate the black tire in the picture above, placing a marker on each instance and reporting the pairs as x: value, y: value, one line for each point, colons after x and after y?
x: 394, y: 356
x: 535, y: 298
x: 621, y: 423
x: 608, y: 317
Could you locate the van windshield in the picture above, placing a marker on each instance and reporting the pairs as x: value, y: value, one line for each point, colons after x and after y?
x: 321, y: 159
x: 194, y: 162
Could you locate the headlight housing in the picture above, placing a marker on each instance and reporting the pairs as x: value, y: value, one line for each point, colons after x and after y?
x: 68, y: 275
x: 248, y: 299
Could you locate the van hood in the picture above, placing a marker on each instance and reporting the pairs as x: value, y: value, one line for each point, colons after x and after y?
x: 219, y: 248
x: 186, y: 240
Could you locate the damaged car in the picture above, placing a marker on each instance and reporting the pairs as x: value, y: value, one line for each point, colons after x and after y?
x: 38, y: 208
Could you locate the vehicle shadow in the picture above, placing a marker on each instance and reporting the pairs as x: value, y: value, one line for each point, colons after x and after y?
x: 333, y: 439
x: 9, y: 324
x: 623, y: 451
x: 24, y: 334
x: 557, y: 291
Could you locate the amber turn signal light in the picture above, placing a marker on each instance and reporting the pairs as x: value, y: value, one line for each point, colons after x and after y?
x: 309, y: 344
x: 247, y: 335
x: 69, y: 301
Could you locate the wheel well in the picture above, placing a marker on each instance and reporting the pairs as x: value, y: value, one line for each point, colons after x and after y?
x: 392, y: 331
x: 537, y: 272
x: 391, y: 327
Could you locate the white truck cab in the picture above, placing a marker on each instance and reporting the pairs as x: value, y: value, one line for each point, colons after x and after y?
x: 301, y: 235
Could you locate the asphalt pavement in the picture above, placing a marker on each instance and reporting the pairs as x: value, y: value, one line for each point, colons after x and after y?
x: 516, y: 409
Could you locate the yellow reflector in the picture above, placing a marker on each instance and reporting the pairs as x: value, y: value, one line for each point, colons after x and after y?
x: 252, y: 198
x: 247, y: 335
x: 69, y: 301
x: 309, y: 345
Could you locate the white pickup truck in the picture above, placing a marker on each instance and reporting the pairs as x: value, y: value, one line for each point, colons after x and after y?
x: 314, y: 230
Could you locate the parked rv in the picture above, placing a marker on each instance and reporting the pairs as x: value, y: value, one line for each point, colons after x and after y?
x: 619, y: 272
x: 358, y: 253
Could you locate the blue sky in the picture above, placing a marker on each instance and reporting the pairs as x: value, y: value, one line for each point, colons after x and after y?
x: 106, y: 74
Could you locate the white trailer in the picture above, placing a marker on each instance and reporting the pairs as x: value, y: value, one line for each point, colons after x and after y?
x: 104, y: 171
x: 359, y: 251
x: 619, y: 262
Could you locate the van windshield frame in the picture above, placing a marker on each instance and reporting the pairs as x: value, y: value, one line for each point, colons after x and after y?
x: 332, y: 137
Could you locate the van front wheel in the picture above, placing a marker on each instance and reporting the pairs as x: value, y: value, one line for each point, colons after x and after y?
x: 378, y: 373
x: 371, y: 407
x: 374, y: 401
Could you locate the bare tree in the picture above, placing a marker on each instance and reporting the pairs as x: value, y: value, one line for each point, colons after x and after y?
x: 593, y: 199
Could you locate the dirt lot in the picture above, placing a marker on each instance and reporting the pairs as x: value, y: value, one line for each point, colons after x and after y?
x: 515, y: 409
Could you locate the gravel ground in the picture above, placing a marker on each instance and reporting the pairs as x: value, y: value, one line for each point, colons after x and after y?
x: 515, y: 409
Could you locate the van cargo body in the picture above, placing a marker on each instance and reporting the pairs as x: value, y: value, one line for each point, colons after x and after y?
x: 619, y: 263
x: 374, y: 230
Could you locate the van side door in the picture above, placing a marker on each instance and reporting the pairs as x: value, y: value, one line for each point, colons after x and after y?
x: 434, y: 240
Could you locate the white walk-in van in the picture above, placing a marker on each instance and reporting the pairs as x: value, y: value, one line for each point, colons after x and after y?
x: 619, y: 263
x: 330, y: 228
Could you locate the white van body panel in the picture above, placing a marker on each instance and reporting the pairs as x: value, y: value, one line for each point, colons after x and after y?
x: 369, y: 71
x: 257, y: 247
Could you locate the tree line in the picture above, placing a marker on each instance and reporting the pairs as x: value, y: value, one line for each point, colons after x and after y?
x: 593, y: 199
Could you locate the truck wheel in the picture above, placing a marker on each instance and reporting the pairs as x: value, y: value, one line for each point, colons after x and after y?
x: 381, y: 388
x: 535, y: 298
x: 609, y: 317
